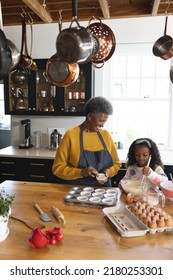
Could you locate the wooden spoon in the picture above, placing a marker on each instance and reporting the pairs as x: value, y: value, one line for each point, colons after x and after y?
x: 28, y: 223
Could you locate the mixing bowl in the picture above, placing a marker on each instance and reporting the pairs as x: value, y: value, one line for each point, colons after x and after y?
x: 132, y: 186
x: 167, y: 189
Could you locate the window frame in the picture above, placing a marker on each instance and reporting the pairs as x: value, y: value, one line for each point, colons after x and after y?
x: 107, y: 90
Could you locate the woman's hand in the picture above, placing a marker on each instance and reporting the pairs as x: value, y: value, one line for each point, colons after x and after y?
x: 89, y: 171
x: 102, y: 178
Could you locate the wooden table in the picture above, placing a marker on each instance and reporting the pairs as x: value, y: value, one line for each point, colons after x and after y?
x: 88, y: 235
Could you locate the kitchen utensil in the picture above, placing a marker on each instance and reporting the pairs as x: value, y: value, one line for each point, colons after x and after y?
x: 58, y: 215
x: 75, y: 44
x: 107, y: 41
x: 38, y: 238
x: 93, y: 196
x: 148, y: 164
x: 15, y: 54
x: 171, y: 73
x: 33, y: 66
x: 5, y: 53
x: 163, y: 47
x: 167, y: 188
x: 59, y: 72
x: 43, y: 216
x: 19, y: 76
x: 132, y: 186
x: 25, y: 59
x: 30, y: 224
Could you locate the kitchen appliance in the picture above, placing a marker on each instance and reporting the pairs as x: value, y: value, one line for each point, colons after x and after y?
x: 55, y: 139
x: 27, y: 134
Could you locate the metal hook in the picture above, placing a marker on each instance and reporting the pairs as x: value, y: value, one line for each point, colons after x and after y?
x: 168, y: 6
x: 31, y: 21
x: 23, y: 14
x: 60, y: 15
x: 44, y: 4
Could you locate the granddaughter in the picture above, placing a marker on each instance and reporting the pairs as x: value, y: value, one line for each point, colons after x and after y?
x: 144, y: 162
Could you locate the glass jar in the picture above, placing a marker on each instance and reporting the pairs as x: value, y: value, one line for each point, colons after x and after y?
x: 37, y: 139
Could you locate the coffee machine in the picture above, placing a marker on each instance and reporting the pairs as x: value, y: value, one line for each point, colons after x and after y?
x: 26, y: 125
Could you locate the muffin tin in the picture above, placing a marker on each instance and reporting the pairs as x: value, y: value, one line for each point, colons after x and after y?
x: 91, y: 195
x: 128, y: 224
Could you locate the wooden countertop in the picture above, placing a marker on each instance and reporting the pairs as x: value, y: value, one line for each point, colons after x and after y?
x: 45, y: 153
x: 88, y: 235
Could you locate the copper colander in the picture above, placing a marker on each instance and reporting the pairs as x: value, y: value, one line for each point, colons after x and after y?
x: 106, y: 39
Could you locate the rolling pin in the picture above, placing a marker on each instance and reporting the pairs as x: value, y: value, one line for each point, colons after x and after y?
x: 58, y: 215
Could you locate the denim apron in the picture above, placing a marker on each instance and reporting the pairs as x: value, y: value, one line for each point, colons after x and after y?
x: 100, y: 160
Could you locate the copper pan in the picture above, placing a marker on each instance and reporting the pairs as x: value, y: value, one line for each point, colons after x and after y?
x: 61, y: 73
x: 163, y: 47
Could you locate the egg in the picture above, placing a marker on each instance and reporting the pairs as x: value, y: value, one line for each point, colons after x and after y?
x: 134, y: 209
x: 129, y: 198
x: 147, y: 219
x: 161, y: 223
x: 143, y: 215
x: 152, y: 224
x: 168, y: 222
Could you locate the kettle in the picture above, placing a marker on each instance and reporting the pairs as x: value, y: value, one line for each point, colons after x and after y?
x: 55, y: 139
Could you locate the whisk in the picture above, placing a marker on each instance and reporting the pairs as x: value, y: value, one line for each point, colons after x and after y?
x: 143, y: 177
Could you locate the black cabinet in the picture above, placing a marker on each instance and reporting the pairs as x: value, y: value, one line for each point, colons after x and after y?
x: 117, y: 178
x: 23, y: 169
x: 31, y: 92
x: 11, y: 168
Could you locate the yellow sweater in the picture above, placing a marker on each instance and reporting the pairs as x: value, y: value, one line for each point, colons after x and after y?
x: 68, y: 153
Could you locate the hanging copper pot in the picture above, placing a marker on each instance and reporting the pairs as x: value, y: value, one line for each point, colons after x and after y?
x: 61, y: 73
x: 163, y: 47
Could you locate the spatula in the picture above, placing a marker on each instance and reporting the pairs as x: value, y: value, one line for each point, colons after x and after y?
x: 28, y: 223
x: 43, y: 216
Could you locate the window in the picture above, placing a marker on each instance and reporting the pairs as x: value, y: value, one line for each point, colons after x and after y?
x: 141, y: 93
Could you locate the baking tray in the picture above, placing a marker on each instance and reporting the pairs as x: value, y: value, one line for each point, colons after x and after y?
x: 93, y: 196
x: 128, y: 224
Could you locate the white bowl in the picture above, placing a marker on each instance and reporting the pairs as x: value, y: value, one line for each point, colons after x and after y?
x: 132, y: 186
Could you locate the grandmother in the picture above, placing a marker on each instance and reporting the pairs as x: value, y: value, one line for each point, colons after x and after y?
x: 88, y: 149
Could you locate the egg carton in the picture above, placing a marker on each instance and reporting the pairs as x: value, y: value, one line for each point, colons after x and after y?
x: 94, y: 196
x: 128, y: 224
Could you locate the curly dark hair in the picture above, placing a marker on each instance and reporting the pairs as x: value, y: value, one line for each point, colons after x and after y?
x: 154, y: 152
x: 98, y: 105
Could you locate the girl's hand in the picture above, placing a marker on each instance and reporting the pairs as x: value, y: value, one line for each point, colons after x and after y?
x: 146, y: 170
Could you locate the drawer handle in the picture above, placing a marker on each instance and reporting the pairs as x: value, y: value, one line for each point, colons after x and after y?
x: 37, y: 164
x: 37, y: 176
x: 7, y: 174
x: 7, y: 162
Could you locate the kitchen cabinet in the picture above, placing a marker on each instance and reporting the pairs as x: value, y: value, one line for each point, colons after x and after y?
x: 31, y: 92
x: 33, y: 170
x: 121, y: 173
x: 36, y: 170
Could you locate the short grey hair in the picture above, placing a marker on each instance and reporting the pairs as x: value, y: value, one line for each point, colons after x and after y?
x: 98, y: 104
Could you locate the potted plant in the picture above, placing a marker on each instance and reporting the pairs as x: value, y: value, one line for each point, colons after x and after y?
x: 5, y: 209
